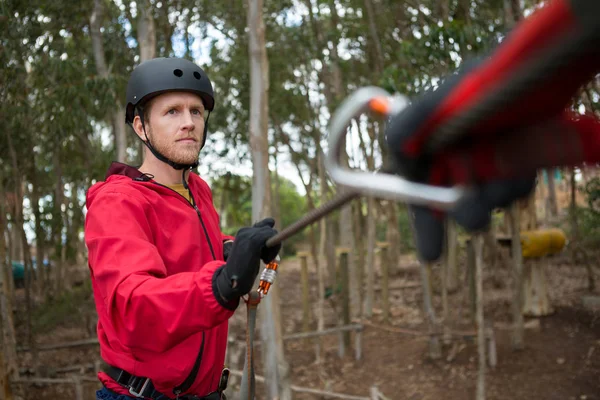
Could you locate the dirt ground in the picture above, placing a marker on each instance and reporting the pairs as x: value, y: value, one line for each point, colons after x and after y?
x: 561, y: 359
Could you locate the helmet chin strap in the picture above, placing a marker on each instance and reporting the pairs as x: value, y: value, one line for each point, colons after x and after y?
x: 164, y: 159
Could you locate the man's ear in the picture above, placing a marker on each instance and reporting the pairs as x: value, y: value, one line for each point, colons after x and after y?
x: 137, y: 127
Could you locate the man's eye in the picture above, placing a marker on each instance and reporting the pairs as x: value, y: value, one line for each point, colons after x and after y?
x: 197, y: 112
x: 172, y: 111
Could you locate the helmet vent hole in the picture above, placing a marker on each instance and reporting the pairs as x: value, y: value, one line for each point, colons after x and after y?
x: 178, y: 72
x: 196, y: 74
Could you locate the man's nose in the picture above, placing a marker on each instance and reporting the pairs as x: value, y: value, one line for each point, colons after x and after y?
x: 188, y: 121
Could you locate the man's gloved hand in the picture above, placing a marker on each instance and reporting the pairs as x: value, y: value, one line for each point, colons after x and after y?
x: 237, y: 276
x: 501, y: 118
x: 227, y: 246
x: 458, y: 162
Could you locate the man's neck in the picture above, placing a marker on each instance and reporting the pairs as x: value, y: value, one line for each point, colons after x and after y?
x: 163, y: 173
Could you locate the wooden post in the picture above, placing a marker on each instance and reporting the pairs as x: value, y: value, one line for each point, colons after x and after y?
x: 385, y: 280
x: 358, y: 345
x: 478, y: 248
x: 451, y: 256
x: 5, y: 388
x: 97, y: 366
x: 78, y: 388
x: 536, y: 302
x: 491, y: 339
x: 471, y: 277
x: 517, y: 275
x: 345, y: 283
x: 371, y: 228
x: 435, y: 350
x: 374, y: 393
x: 305, y: 290
x: 444, y: 271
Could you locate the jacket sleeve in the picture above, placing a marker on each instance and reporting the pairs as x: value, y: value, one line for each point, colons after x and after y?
x: 131, y: 279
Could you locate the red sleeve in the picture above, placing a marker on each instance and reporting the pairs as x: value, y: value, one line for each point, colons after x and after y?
x: 145, y: 307
x: 226, y: 237
x: 558, y: 41
x: 570, y: 140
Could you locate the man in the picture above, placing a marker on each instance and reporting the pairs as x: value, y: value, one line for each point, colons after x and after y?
x: 491, y: 126
x: 165, y: 279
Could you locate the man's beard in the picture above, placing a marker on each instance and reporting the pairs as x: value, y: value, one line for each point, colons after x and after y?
x: 180, y: 154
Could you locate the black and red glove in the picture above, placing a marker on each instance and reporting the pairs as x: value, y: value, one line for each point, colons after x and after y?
x: 497, y: 121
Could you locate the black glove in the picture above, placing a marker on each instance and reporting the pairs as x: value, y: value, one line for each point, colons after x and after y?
x: 474, y: 212
x: 237, y: 276
x: 227, y: 249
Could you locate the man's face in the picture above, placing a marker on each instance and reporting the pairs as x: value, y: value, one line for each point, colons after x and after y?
x: 176, y: 126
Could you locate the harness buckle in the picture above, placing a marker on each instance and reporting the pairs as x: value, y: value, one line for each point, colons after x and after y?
x: 141, y: 383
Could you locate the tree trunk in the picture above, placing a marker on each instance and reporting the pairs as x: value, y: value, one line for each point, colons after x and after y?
x: 118, y: 113
x: 277, y: 370
x: 39, y: 238
x: 20, y: 235
x: 28, y: 282
x: 8, y: 341
x: 444, y: 9
x: 374, y: 35
x: 146, y: 35
x: 393, y: 234
x: 451, y: 256
x: 359, y: 253
x: 320, y: 313
x: 346, y: 229
x: 509, y: 16
x: 277, y: 195
x: 573, y: 207
x: 58, y: 224
x: 553, y: 205
x: 370, y: 262
x: 146, y: 32
x: 5, y: 252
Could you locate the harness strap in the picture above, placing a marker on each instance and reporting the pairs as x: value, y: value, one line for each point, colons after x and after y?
x: 141, y: 387
x: 247, y: 388
x: 138, y: 386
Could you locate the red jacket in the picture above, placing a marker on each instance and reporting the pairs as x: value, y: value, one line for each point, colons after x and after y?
x: 152, y: 257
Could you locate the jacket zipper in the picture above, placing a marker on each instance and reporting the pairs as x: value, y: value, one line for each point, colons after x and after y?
x: 187, y: 383
x: 195, y: 207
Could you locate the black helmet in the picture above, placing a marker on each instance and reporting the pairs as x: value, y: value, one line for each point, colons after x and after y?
x: 160, y: 75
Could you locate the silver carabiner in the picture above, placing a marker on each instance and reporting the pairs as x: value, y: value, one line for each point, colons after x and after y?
x: 388, y: 186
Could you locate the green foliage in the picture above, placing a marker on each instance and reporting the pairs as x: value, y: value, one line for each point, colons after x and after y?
x: 68, y: 309
x: 592, y: 194
x: 588, y: 218
x: 56, y: 109
x: 232, y: 195
x: 405, y: 230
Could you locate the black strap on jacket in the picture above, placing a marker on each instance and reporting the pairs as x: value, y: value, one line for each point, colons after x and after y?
x: 144, y: 388
x: 137, y: 386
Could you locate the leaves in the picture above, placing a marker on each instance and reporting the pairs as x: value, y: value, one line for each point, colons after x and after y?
x: 58, y: 110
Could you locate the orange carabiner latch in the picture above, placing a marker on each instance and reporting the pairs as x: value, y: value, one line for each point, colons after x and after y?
x: 267, y: 278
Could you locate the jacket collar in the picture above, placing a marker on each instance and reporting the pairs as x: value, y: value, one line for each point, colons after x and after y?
x: 118, y: 168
